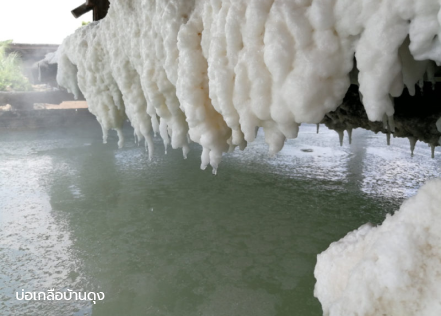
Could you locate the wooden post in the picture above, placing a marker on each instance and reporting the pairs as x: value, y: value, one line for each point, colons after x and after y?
x: 82, y: 9
x: 99, y: 7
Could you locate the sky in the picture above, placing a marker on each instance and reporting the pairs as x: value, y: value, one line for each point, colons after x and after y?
x: 39, y: 21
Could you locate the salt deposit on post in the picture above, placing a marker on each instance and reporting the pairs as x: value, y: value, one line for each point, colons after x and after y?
x: 392, y: 269
x: 213, y: 71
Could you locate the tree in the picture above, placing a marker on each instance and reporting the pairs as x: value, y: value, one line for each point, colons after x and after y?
x: 11, y: 76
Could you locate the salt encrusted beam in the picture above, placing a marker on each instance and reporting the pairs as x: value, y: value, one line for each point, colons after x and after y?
x: 214, y: 71
x: 415, y: 116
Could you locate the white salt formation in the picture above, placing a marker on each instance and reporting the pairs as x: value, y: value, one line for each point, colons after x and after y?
x: 213, y: 71
x: 393, y: 269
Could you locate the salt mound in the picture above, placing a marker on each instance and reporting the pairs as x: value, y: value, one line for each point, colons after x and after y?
x: 214, y: 71
x: 393, y: 269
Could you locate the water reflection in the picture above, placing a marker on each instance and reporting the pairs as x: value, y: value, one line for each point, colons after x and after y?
x: 34, y: 242
x: 391, y: 172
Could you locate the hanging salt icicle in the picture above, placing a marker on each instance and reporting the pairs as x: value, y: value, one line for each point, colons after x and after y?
x: 388, y: 138
x: 385, y: 119
x: 391, y: 123
x: 197, y: 74
x: 164, y: 134
x: 412, y: 141
x: 105, y: 134
x: 185, y: 150
x: 205, y: 158
x: 155, y: 125
x: 432, y: 148
x: 148, y: 141
x: 349, y: 130
x: 120, y: 138
x: 318, y: 128
x: 340, y: 136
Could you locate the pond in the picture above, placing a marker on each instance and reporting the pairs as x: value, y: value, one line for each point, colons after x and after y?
x: 162, y: 237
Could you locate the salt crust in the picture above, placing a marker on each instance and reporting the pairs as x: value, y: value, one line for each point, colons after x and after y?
x: 393, y: 269
x: 213, y: 71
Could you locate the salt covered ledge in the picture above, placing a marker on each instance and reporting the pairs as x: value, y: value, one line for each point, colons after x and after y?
x: 213, y: 71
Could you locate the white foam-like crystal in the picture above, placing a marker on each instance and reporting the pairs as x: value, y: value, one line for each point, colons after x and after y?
x: 393, y: 269
x: 213, y: 71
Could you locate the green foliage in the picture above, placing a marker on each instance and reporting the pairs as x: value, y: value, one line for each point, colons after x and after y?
x: 11, y: 76
x: 84, y: 23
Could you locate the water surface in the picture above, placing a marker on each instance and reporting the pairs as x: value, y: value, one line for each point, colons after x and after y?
x: 162, y: 237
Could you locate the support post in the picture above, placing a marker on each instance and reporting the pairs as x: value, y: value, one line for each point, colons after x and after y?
x: 99, y: 7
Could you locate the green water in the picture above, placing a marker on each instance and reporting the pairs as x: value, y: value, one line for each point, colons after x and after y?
x: 162, y: 237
